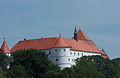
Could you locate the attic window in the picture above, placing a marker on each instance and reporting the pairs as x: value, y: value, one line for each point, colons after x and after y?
x: 55, y: 50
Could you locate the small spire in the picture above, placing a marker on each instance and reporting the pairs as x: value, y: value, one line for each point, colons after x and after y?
x: 59, y: 34
x: 41, y: 37
x: 103, y: 50
x: 75, y: 34
x: 75, y: 29
x: 4, y: 38
x: 24, y: 39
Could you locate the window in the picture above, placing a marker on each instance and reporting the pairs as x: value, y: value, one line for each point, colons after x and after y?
x: 82, y: 54
x: 55, y: 50
x: 70, y: 53
x: 73, y: 60
x: 74, y: 53
x: 56, y: 59
x: 68, y: 59
x: 64, y: 49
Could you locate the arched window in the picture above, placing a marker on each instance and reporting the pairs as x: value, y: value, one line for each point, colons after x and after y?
x: 56, y: 59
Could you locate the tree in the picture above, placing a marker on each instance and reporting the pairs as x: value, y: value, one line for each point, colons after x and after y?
x: 2, y: 73
x: 4, y: 61
x: 34, y: 62
x: 106, y: 66
x: 87, y: 69
x: 18, y: 72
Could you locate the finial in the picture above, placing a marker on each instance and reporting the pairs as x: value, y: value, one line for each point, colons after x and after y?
x: 75, y: 29
x: 79, y: 27
x: 103, y: 50
x: 41, y: 37
x: 59, y: 34
x: 4, y: 38
x: 24, y: 39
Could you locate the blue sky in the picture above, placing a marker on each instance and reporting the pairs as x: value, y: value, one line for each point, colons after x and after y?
x: 99, y: 19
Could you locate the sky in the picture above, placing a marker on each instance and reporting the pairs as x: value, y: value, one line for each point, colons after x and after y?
x: 31, y: 19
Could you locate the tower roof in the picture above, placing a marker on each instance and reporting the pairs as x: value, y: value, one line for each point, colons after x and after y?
x: 82, y: 35
x: 60, y: 43
x: 5, y: 48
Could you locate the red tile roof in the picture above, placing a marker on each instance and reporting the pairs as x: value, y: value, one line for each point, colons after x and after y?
x: 5, y: 48
x: 60, y: 43
x: 47, y: 43
x: 82, y: 36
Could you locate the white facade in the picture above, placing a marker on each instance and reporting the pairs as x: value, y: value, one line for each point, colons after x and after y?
x: 64, y: 57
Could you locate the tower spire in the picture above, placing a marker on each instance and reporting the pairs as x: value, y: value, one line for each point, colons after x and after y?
x: 5, y: 48
x: 79, y: 27
x: 59, y: 34
x: 75, y: 34
x: 4, y: 38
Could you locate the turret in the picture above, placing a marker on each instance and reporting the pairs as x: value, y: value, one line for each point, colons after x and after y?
x: 5, y: 49
x: 75, y: 34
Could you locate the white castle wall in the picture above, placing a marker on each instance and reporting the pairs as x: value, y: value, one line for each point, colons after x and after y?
x: 64, y: 57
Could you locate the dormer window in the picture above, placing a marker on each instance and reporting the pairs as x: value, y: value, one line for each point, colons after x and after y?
x: 55, y: 50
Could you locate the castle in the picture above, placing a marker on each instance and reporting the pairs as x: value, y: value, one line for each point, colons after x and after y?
x: 61, y: 51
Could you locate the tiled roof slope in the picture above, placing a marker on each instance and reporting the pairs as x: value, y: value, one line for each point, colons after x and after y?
x: 5, y: 48
x: 60, y: 43
x: 82, y: 36
x: 47, y: 43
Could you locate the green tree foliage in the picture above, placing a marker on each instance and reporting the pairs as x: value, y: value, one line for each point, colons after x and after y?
x: 106, y: 66
x: 35, y: 63
x: 87, y: 69
x: 4, y: 61
x: 18, y: 72
x: 2, y: 73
